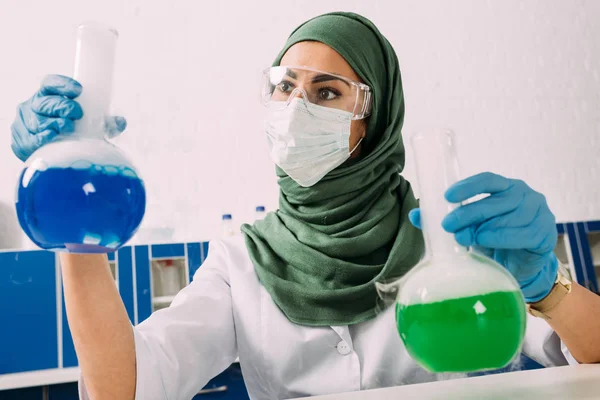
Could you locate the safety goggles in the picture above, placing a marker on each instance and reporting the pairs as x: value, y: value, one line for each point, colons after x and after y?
x: 282, y: 84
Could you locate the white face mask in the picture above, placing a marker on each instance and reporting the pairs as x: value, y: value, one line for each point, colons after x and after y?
x: 308, y: 145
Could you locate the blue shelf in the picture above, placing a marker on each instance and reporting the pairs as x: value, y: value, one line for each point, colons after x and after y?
x: 592, y: 226
x: 143, y: 283
x: 168, y: 250
x: 28, y: 290
x: 195, y: 258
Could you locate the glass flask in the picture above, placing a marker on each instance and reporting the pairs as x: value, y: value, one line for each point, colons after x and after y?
x: 457, y: 310
x: 80, y: 193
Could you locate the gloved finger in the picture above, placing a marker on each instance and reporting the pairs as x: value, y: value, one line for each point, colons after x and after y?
x: 58, y: 125
x: 486, y: 251
x: 56, y: 106
x: 545, y: 223
x: 44, y: 137
x: 115, y: 126
x: 29, y: 119
x: 24, y: 145
x: 18, y: 151
x: 414, y: 216
x: 36, y: 123
x: 466, y: 237
x: 482, y: 210
x: 523, y: 215
x: 19, y: 135
x: 60, y: 85
x: 485, y: 182
x: 533, y: 236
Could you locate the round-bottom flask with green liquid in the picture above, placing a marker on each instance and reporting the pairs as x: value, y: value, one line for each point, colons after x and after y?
x: 456, y: 311
x: 461, y: 321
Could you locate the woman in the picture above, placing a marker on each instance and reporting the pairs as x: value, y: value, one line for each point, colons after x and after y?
x: 295, y: 296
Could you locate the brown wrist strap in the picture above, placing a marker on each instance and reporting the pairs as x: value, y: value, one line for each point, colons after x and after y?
x: 561, y: 288
x: 555, y: 296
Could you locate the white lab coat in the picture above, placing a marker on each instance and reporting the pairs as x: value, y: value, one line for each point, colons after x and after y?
x: 225, y: 313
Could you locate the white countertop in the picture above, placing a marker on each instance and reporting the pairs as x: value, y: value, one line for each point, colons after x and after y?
x: 561, y: 383
x: 41, y: 378
x: 38, y: 378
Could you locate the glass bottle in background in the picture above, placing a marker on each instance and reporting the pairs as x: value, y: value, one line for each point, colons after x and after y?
x: 227, y: 226
x: 80, y: 193
x: 259, y: 213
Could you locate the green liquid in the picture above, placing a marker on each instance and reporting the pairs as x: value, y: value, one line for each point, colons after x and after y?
x: 466, y: 334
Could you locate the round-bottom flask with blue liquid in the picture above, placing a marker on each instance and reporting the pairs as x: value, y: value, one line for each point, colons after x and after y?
x: 80, y: 193
x: 80, y: 196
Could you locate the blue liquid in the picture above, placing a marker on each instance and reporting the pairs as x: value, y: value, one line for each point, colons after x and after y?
x: 81, y: 210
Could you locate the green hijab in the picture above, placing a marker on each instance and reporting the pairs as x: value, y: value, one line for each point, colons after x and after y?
x: 321, y: 253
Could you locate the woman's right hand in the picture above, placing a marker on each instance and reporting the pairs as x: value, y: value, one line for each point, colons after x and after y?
x: 51, y: 111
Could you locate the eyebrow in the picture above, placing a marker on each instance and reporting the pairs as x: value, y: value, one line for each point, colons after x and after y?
x: 291, y: 73
x: 318, y: 78
x: 325, y: 78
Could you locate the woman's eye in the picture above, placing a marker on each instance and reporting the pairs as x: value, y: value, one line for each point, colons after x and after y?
x: 327, y: 94
x: 284, y: 87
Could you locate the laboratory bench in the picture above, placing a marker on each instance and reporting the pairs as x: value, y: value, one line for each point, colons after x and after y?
x: 576, y: 382
x: 62, y: 385
x: 38, y: 358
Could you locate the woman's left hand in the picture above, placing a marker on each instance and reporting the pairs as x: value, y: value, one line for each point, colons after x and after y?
x: 513, y: 225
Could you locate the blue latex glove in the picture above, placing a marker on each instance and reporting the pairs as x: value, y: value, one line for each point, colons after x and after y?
x: 51, y: 111
x: 513, y: 225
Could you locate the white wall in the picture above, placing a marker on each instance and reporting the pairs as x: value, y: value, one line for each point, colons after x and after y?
x: 519, y: 82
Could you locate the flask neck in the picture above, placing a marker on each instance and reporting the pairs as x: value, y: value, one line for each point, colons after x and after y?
x: 94, y: 65
x: 437, y: 170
